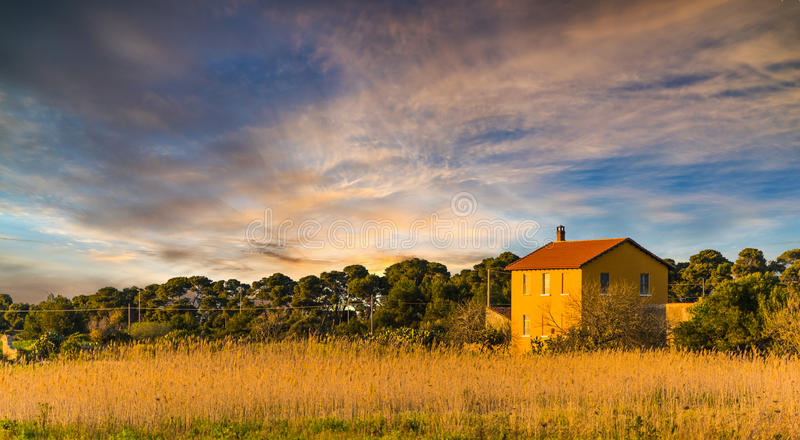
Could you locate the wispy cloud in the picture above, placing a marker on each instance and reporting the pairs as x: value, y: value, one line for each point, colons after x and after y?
x: 147, y: 139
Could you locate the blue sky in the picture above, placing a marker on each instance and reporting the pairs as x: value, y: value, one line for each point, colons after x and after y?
x: 139, y: 140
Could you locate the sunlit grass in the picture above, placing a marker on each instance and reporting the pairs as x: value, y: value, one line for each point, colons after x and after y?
x: 23, y: 344
x: 358, y: 387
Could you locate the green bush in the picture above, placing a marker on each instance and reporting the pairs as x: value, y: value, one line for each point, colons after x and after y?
x: 354, y: 328
x: 76, y: 343
x: 23, y: 344
x: 149, y: 330
x: 733, y: 316
x: 176, y: 336
x: 782, y: 326
x: 47, y: 345
x: 403, y: 336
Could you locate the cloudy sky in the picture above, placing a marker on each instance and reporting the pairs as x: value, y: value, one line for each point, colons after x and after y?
x: 140, y: 141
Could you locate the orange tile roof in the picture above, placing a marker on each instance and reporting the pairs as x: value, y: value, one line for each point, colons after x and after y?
x: 571, y: 254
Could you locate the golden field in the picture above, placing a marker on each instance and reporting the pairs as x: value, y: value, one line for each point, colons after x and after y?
x: 443, y: 392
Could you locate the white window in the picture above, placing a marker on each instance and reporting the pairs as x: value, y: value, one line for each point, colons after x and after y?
x: 525, y: 290
x: 545, y: 284
x: 644, y: 284
x: 526, y: 325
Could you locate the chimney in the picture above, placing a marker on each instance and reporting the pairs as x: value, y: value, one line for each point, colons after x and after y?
x: 561, y: 233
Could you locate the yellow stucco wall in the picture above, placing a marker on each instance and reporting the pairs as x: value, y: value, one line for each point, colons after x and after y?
x: 678, y: 312
x: 546, y: 313
x: 624, y: 264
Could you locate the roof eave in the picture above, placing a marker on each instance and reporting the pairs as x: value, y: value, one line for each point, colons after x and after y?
x: 542, y: 268
x: 509, y: 267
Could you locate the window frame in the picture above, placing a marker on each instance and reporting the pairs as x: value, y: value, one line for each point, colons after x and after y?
x: 563, y: 291
x: 525, y: 290
x: 545, y: 284
x: 642, y: 277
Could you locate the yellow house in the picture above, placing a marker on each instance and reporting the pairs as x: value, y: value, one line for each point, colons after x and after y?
x: 546, y: 285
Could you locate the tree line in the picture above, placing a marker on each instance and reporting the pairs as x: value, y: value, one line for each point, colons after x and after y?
x: 414, y: 293
x: 708, y: 268
x: 746, y: 303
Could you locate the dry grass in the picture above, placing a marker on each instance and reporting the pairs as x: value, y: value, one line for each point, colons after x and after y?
x: 652, y: 394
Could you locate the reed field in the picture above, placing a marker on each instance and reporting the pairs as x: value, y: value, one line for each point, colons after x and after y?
x: 351, y: 390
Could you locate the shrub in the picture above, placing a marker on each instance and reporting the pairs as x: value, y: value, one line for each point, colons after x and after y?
x: 149, y: 330
x: 268, y: 326
x: 353, y: 328
x: 618, y: 318
x: 176, y: 336
x: 107, y: 327
x: 467, y: 326
x: 76, y: 343
x: 403, y: 337
x: 497, y: 337
x: 47, y: 345
x: 732, y: 317
x: 782, y: 326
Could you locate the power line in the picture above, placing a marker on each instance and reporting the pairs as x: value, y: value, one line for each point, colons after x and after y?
x: 193, y: 309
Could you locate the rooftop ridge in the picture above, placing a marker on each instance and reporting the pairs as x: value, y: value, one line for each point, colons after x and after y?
x: 567, y: 254
x: 591, y: 239
x: 572, y: 254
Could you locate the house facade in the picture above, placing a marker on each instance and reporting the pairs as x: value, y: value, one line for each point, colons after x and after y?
x: 547, y: 284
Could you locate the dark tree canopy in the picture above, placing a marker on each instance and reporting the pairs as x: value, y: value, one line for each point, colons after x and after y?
x: 731, y: 317
x: 747, y: 304
x: 277, y: 289
x: 705, y: 270
x: 415, y: 270
x: 750, y: 261
x: 785, y: 260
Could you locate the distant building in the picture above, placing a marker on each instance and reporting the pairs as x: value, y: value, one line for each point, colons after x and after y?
x: 498, y: 317
x: 547, y: 284
x: 8, y: 349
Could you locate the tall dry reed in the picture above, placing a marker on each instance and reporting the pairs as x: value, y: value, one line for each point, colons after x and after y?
x: 686, y: 395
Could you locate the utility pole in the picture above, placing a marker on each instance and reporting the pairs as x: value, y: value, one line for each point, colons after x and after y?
x: 488, y: 286
x: 129, y: 315
x: 140, y: 306
x: 704, y: 288
x: 371, y: 308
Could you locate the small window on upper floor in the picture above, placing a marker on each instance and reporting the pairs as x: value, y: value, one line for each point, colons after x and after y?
x: 563, y: 292
x: 525, y: 290
x: 545, y: 284
x: 604, y: 282
x: 644, y: 284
